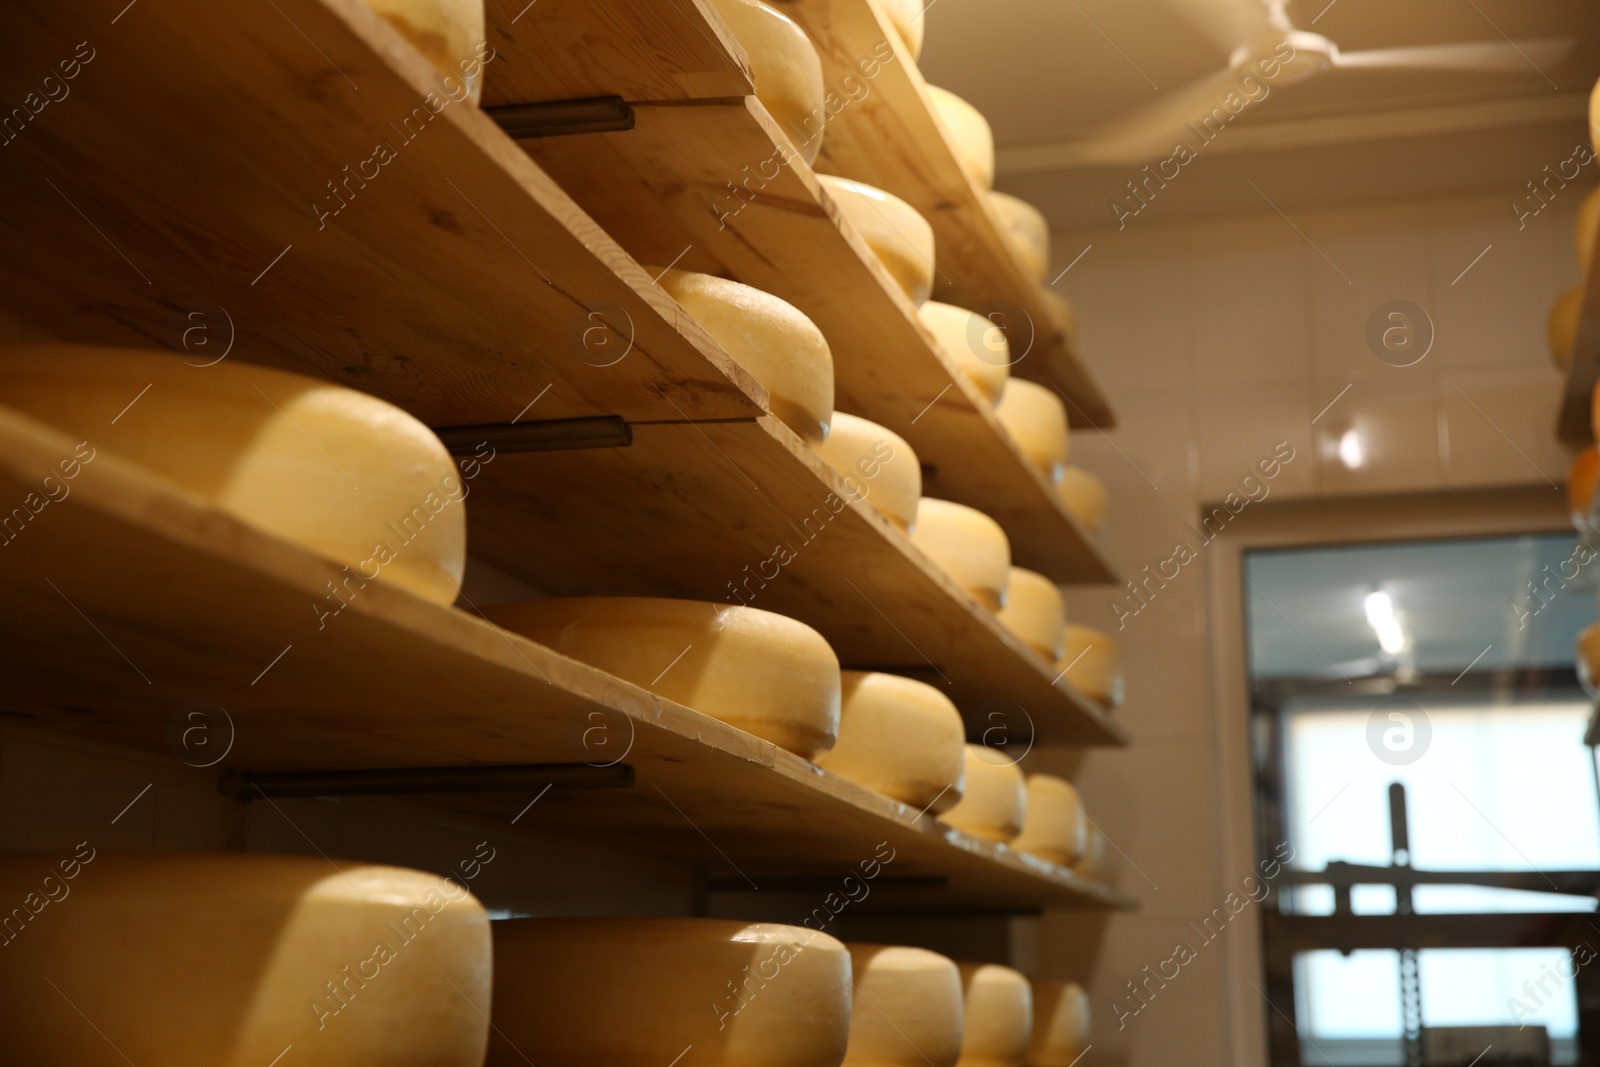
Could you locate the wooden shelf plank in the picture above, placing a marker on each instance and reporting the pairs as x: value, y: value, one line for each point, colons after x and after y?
x: 890, y: 138
x: 1573, y: 425
x: 193, y: 167
x: 131, y: 598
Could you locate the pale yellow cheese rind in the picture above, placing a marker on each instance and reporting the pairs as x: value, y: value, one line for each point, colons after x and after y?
x: 786, y: 68
x: 341, y: 473
x: 449, y: 32
x: 995, y: 803
x: 1037, y: 420
x: 899, y: 737
x: 1060, y: 1023
x: 1026, y: 232
x: 1056, y: 829
x: 1089, y: 660
x: 224, y: 960
x: 1561, y: 329
x: 762, y: 672
x: 895, y: 232
x: 1588, y: 228
x: 907, y: 19
x: 1093, y: 861
x: 771, y: 338
x: 907, y: 1010
x: 998, y: 1009
x: 877, y: 464
x: 976, y: 345
x: 969, y: 134
x: 967, y: 545
x: 1085, y: 498
x: 637, y: 992
x: 1035, y: 612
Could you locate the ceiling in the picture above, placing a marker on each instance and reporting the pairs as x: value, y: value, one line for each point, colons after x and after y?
x: 1054, y: 75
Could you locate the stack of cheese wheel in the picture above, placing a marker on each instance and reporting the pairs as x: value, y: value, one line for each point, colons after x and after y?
x: 1588, y: 228
x: 786, y: 69
x: 877, y: 465
x: 1035, y: 612
x: 770, y: 338
x: 449, y: 32
x: 1037, y: 420
x: 1055, y: 829
x: 1060, y: 1024
x: 1581, y: 480
x: 1089, y: 663
x: 1093, y: 861
x: 968, y: 133
x: 995, y: 804
x: 1561, y: 328
x: 639, y: 992
x: 976, y: 346
x: 998, y: 1007
x: 967, y: 545
x: 900, y: 737
x: 906, y: 18
x: 759, y: 671
x: 228, y: 959
x: 344, y: 474
x: 1025, y: 231
x: 907, y: 1010
x: 1085, y: 498
x: 900, y: 237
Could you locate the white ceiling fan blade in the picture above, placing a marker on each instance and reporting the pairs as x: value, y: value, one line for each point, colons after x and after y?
x: 1509, y: 57
x: 1151, y: 132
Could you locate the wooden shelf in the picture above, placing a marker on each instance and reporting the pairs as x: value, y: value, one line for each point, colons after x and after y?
x: 131, y: 598
x: 890, y: 138
x: 1573, y: 425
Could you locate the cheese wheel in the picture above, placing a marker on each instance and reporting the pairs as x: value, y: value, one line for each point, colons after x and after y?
x: 1581, y: 481
x: 1026, y: 232
x: 1093, y: 861
x: 967, y: 545
x: 770, y: 338
x: 998, y: 1016
x: 907, y: 1009
x: 343, y: 474
x: 1055, y: 830
x: 225, y: 960
x: 786, y: 69
x: 876, y: 463
x: 1060, y: 1023
x: 1589, y: 659
x: 637, y: 992
x: 968, y: 132
x: 1084, y: 496
x: 1588, y: 228
x: 449, y: 32
x: 1089, y: 664
x: 996, y: 797
x: 1594, y: 117
x: 1037, y: 420
x: 1035, y: 612
x: 759, y: 671
x: 906, y: 18
x: 1561, y: 329
x: 899, y: 236
x: 973, y: 343
x: 900, y: 737
x: 1066, y: 319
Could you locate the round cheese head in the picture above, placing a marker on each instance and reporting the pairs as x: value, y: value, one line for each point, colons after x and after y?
x: 1561, y: 329
x: 968, y: 133
x: 343, y: 474
x: 1093, y: 861
x: 770, y: 338
x: 1037, y: 420
x: 1035, y: 612
x: 1026, y: 232
x: 786, y: 68
x: 1581, y: 480
x: 1089, y: 660
x: 907, y: 1010
x: 637, y: 992
x: 1055, y: 830
x: 449, y: 32
x: 759, y: 671
x: 973, y: 343
x: 998, y: 1009
x: 892, y: 228
x: 899, y: 737
x: 1060, y: 1023
x: 1588, y: 228
x: 967, y: 545
x: 996, y: 797
x: 876, y: 463
x: 906, y: 18
x: 1085, y: 498
x: 224, y: 960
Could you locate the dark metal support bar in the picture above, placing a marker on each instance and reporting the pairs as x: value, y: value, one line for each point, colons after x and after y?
x: 601, y: 114
x: 244, y: 785
x: 549, y: 435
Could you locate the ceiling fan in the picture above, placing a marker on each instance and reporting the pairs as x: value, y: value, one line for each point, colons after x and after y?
x: 1260, y: 36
